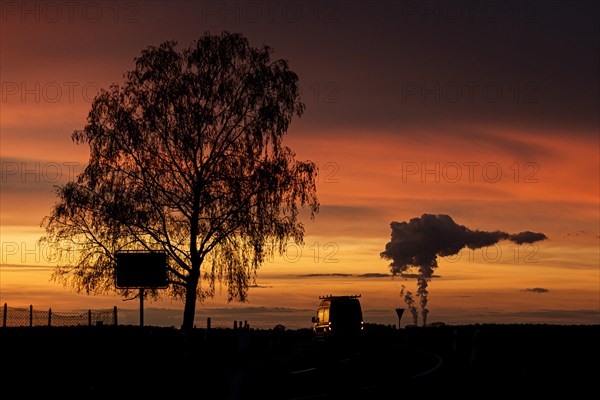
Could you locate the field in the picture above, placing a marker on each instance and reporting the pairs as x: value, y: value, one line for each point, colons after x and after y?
x: 129, y: 361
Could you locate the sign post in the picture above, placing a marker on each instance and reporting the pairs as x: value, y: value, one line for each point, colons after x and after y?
x: 141, y: 269
x: 399, y: 312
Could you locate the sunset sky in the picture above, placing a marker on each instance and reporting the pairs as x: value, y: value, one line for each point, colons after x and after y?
x: 485, y: 111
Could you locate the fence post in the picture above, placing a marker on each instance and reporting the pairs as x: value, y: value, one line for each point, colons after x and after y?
x: 89, y: 317
x: 30, y: 315
x: 4, y: 315
x: 49, y: 317
x: 208, y: 323
x: 115, y: 314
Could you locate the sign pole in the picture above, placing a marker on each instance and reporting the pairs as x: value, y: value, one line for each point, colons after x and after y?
x: 141, y: 270
x: 141, y: 306
x: 399, y: 312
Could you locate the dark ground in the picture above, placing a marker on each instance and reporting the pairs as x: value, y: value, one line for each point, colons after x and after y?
x: 475, y: 361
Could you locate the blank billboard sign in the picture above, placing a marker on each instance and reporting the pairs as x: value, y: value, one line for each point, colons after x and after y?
x: 141, y: 269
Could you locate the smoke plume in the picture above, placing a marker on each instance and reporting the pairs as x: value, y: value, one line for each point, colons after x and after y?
x: 408, y: 299
x: 419, y: 242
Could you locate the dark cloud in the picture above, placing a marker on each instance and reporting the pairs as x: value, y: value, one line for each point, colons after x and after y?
x: 527, y: 237
x: 374, y: 275
x: 419, y: 243
x: 504, y: 84
x: 537, y: 290
x: 493, y: 141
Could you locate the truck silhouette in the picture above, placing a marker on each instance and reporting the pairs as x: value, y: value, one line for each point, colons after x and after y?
x: 338, y: 317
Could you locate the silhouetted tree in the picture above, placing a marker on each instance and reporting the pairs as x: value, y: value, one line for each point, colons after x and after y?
x: 187, y: 157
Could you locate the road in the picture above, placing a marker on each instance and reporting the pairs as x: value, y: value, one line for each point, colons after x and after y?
x: 361, y: 370
x: 469, y: 361
x: 466, y: 362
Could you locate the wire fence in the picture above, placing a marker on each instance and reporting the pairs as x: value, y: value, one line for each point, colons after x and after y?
x: 22, y: 316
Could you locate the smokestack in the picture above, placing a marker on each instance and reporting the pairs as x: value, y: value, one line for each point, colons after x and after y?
x: 399, y: 311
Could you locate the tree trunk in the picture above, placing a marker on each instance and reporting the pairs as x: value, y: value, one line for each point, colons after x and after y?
x: 189, y: 310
